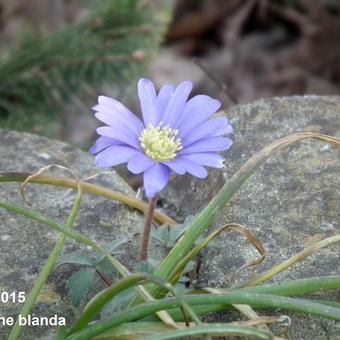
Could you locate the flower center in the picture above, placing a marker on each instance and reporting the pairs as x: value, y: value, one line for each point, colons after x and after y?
x: 160, y: 143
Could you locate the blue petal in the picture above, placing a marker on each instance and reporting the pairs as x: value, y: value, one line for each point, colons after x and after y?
x: 117, y: 110
x: 211, y: 159
x: 114, y: 155
x: 207, y: 145
x: 193, y: 168
x: 209, y: 128
x: 176, y: 165
x: 176, y: 104
x: 163, y: 99
x: 197, y: 110
x: 101, y: 144
x: 147, y: 97
x: 155, y: 179
x: 139, y: 163
x: 108, y: 131
x: 118, y: 125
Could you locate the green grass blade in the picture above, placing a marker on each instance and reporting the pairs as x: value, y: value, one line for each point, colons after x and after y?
x: 297, y: 287
x: 254, y: 300
x: 47, y: 268
x: 136, y: 330
x: 98, y: 302
x: 215, y: 330
x: 287, y: 288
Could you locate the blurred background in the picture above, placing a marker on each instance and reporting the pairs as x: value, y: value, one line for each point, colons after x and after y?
x: 57, y: 56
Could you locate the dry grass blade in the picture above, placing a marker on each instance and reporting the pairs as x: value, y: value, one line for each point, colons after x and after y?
x: 291, y: 261
x: 40, y: 172
x: 246, y: 309
x: 178, y: 270
x: 89, y: 188
x: 257, y: 243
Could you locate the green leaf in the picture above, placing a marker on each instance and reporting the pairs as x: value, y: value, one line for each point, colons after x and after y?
x: 79, y: 284
x: 76, y: 257
x: 112, y: 247
x: 106, y: 266
x: 169, y: 234
x: 119, y: 303
x: 146, y: 267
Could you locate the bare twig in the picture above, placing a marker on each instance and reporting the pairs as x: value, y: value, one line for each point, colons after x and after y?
x: 222, y: 86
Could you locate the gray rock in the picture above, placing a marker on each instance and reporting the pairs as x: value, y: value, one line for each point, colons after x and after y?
x: 25, y: 245
x: 290, y: 202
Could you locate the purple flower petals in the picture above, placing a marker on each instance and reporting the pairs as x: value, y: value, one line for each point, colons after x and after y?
x: 113, y: 107
x: 177, y: 104
x: 155, y: 179
x: 210, y: 144
x: 181, y: 139
x: 139, y: 163
x: 147, y: 97
x: 101, y: 144
x: 108, y: 131
x: 209, y: 128
x: 183, y: 164
x: 163, y: 99
x: 211, y: 159
x: 197, y: 110
x: 176, y: 165
x: 118, y: 125
x: 114, y: 155
x: 193, y: 168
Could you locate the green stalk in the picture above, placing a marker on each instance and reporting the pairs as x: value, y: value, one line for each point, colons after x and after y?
x: 45, y: 272
x: 87, y: 188
x: 215, y: 330
x: 254, y: 300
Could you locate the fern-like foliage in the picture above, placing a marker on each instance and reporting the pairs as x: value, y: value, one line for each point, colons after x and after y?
x: 111, y: 46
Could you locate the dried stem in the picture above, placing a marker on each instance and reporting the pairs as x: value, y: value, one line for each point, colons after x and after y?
x: 222, y: 86
x: 147, y: 228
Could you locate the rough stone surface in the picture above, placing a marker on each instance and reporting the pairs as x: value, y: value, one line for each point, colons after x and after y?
x: 289, y: 203
x: 25, y: 244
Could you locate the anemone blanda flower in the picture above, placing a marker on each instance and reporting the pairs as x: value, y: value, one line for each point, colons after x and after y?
x: 175, y: 134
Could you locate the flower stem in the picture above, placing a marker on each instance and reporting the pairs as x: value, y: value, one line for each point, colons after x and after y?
x: 147, y: 228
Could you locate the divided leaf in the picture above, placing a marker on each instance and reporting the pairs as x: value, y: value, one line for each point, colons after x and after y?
x: 79, y: 284
x: 76, y: 257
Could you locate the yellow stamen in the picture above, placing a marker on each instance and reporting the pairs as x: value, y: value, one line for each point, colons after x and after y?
x: 160, y: 143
